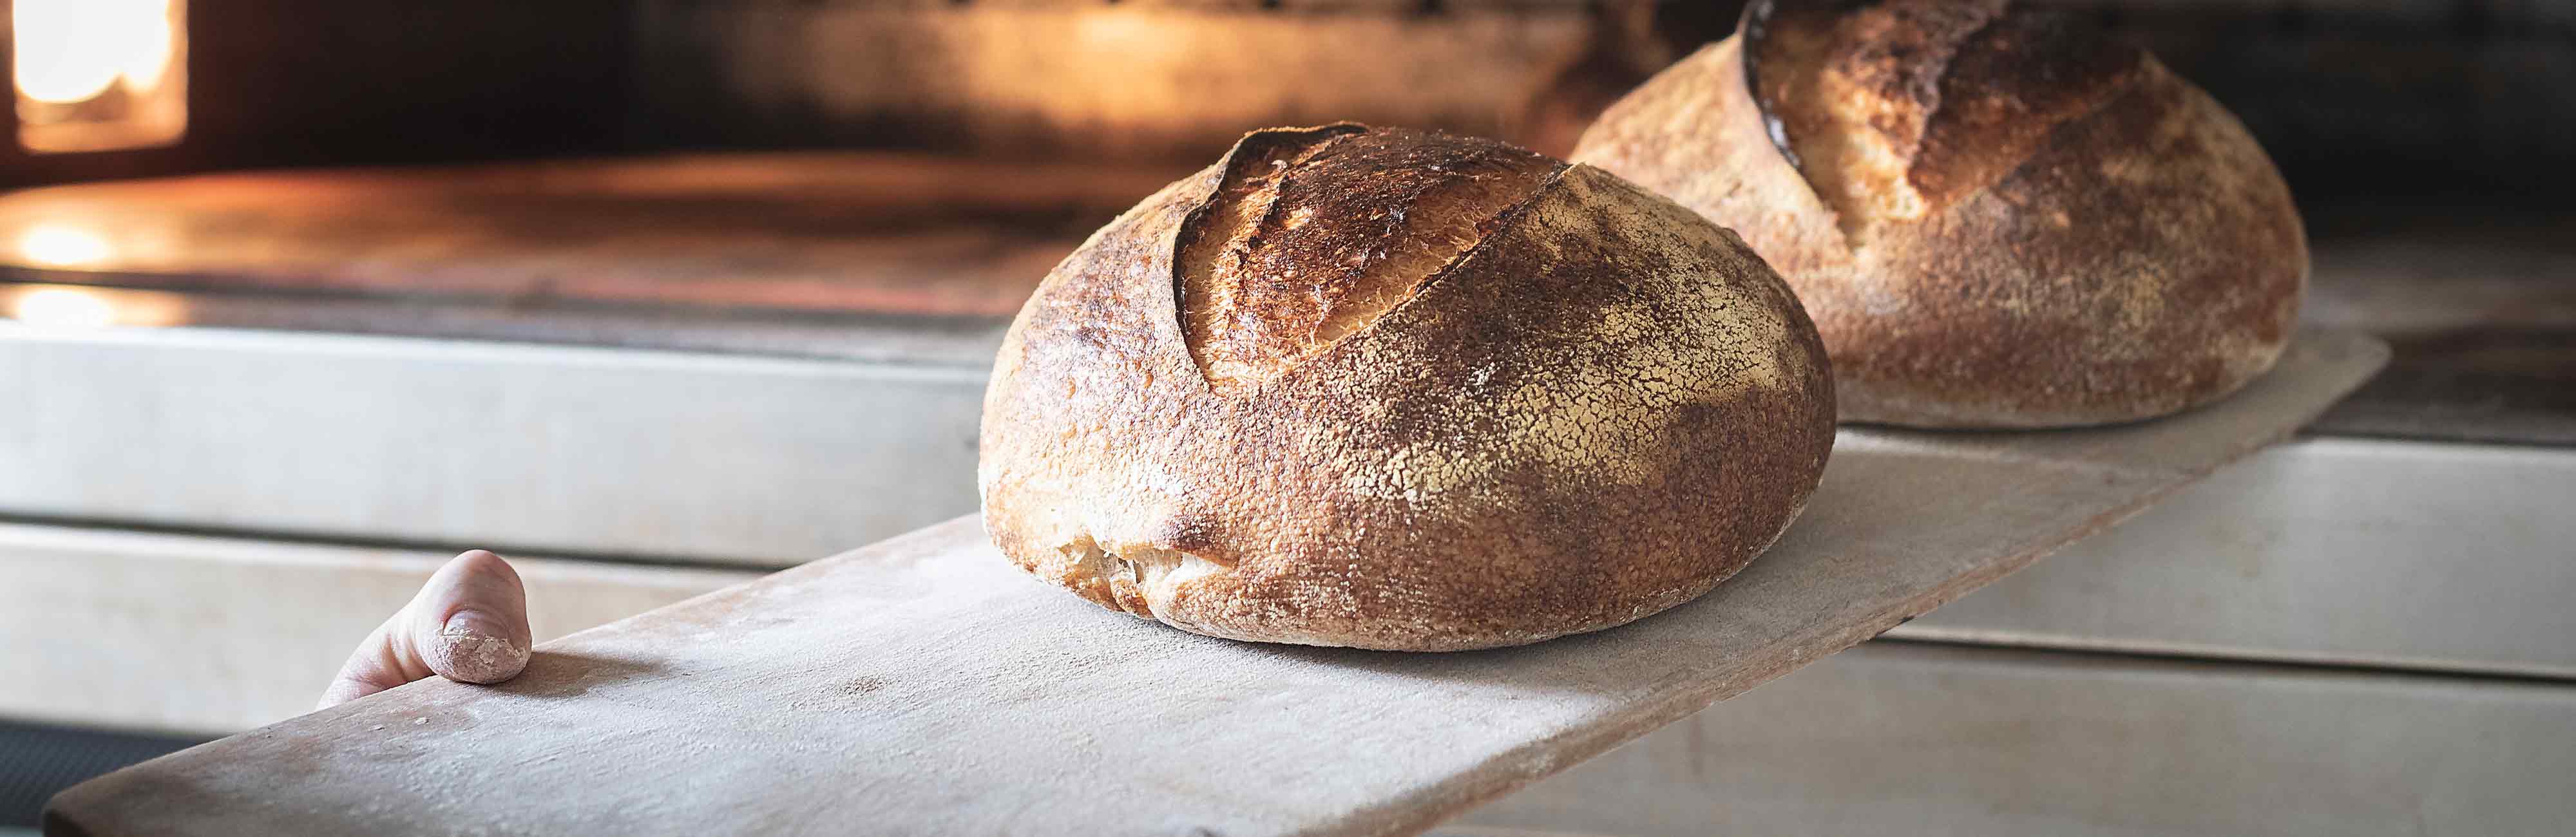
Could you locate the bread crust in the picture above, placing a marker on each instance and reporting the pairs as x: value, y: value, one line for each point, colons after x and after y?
x: 1316, y: 233
x: 1997, y: 217
x: 1600, y: 410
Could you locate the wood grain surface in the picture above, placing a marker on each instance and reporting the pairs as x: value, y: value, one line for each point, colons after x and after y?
x: 824, y: 233
x: 923, y: 686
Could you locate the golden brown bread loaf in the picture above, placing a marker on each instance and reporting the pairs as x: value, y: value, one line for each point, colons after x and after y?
x: 1390, y: 389
x: 1998, y: 217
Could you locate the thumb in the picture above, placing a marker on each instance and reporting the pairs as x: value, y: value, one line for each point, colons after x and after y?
x: 468, y: 623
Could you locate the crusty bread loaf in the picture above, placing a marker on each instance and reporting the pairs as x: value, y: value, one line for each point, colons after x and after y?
x: 1999, y: 217
x: 1402, y: 390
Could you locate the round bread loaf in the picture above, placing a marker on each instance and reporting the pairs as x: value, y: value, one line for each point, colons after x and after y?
x: 1401, y: 390
x: 1998, y: 217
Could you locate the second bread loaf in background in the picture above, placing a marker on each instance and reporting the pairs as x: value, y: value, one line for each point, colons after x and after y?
x: 1997, y: 215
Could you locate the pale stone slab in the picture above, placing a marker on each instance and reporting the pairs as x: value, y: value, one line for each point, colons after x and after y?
x: 1929, y: 740
x: 614, y: 452
x: 2432, y: 556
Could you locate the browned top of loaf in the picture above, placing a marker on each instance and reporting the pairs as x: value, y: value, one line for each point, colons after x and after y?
x: 1313, y: 234
x: 1900, y: 109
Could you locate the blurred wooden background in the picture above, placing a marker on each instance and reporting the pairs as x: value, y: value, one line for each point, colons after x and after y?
x: 2424, y: 98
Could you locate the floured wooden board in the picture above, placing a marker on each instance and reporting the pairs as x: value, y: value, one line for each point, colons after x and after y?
x: 923, y: 686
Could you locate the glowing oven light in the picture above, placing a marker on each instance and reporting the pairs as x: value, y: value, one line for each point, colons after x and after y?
x: 98, y: 75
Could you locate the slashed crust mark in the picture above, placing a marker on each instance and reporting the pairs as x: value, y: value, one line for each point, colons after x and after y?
x: 1310, y: 236
x: 1893, y: 111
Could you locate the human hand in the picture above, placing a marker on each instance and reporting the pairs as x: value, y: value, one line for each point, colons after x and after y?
x: 469, y: 623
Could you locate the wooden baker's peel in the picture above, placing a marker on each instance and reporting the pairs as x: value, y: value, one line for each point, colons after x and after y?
x: 924, y: 686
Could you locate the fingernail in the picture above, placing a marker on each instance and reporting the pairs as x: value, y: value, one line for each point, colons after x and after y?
x: 473, y: 622
x: 474, y: 647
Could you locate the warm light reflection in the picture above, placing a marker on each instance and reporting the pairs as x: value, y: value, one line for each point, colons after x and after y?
x: 84, y: 306
x: 62, y: 245
x: 95, y: 75
x: 63, y: 308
